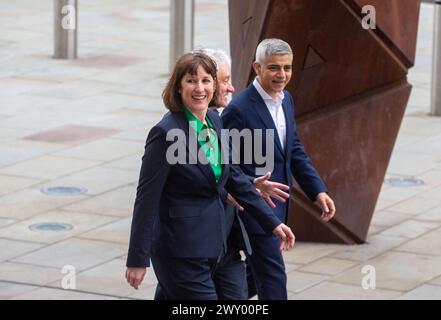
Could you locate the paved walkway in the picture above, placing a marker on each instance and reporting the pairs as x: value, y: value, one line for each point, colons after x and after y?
x: 83, y: 123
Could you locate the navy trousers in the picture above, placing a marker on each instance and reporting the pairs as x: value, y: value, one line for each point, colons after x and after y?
x: 184, y: 278
x: 201, y: 279
x: 268, y: 268
x: 230, y: 276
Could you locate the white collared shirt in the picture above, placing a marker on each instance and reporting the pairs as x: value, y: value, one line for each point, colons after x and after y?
x: 276, y: 110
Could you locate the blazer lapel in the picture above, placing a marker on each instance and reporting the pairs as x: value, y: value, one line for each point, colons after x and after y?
x: 287, y: 108
x: 265, y: 115
x: 223, y: 147
x: 205, y: 168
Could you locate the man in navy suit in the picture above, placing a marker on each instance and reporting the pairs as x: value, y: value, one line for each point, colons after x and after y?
x: 230, y: 274
x: 265, y: 105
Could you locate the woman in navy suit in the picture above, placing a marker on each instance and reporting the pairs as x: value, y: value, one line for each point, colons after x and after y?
x: 178, y: 219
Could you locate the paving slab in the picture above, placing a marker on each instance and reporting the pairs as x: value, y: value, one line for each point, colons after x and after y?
x: 375, y: 245
x: 400, y: 271
x: 423, y: 292
x: 47, y: 167
x: 328, y: 266
x: 13, y: 248
x: 29, y: 274
x: 13, y: 183
x: 28, y: 202
x: 410, y: 229
x: 79, y: 223
x: 9, y: 290
x: 96, y: 180
x: 118, y: 202
x: 338, y: 291
x: 111, y: 232
x: 306, y: 252
x: 429, y: 244
x: 56, y: 294
x: 79, y: 253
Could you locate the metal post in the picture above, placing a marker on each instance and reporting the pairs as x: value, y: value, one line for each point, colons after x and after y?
x: 65, y: 29
x: 436, y: 60
x: 181, y: 28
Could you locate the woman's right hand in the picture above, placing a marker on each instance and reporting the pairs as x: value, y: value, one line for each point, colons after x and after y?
x: 134, y: 276
x: 285, y: 235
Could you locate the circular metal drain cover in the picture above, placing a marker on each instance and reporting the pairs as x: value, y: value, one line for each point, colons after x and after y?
x: 50, y: 227
x: 64, y: 191
x: 404, y: 182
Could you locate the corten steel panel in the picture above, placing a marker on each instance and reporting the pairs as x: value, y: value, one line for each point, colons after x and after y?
x: 398, y: 19
x: 247, y: 19
x: 350, y: 91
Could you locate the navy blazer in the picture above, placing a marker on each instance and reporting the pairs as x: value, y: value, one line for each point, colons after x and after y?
x: 248, y: 110
x: 179, y: 208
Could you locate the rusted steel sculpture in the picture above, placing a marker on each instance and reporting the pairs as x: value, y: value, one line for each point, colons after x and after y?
x: 350, y: 89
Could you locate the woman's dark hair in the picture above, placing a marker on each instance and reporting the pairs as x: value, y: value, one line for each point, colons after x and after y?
x: 188, y: 63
